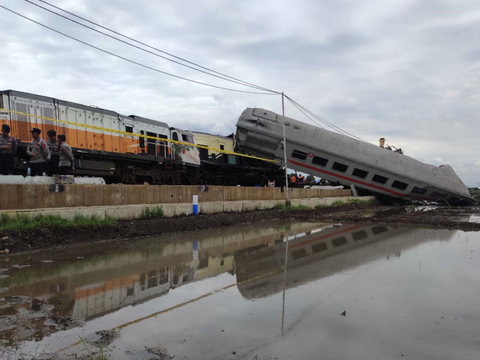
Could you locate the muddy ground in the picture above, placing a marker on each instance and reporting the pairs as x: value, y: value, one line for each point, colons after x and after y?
x: 400, y: 215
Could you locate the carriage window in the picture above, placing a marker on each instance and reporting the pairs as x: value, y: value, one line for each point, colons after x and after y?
x: 222, y: 147
x: 319, y: 160
x: 379, y: 179
x: 184, y: 137
x: 417, y: 190
x: 359, y: 235
x: 399, y: 185
x: 299, y: 154
x: 129, y: 129
x: 360, y: 173
x: 298, y: 254
x: 379, y: 229
x: 319, y: 247
x: 339, y: 167
x: 339, y: 241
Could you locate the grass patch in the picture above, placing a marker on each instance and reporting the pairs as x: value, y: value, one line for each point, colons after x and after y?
x: 156, y: 212
x: 288, y: 206
x: 25, y: 222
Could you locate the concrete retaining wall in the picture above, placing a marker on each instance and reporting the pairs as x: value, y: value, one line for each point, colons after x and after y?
x: 130, y: 212
x: 47, y: 196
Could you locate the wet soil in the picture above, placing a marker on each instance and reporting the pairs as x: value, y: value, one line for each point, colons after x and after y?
x: 412, y: 216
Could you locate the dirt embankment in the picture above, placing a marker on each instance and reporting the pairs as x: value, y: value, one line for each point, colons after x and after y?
x: 55, y: 236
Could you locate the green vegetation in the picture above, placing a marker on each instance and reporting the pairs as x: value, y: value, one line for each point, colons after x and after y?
x: 351, y: 201
x: 156, y: 212
x: 288, y: 206
x: 25, y: 222
x: 92, y: 354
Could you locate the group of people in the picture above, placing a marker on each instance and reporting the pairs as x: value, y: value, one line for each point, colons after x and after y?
x: 51, y: 157
x: 297, y: 180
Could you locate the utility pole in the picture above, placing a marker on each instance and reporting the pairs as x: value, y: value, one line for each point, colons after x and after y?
x: 285, y: 148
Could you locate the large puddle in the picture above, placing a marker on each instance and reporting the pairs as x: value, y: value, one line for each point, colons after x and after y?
x: 272, y: 291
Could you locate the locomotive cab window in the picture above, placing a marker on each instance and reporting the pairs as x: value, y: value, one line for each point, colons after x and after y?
x: 184, y: 138
x: 299, y: 154
x: 339, y: 167
x: 129, y: 129
x: 175, y: 136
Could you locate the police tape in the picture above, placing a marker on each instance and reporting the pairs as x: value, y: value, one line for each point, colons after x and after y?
x: 140, y: 135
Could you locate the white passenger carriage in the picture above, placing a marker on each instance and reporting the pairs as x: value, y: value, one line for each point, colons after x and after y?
x: 342, y: 159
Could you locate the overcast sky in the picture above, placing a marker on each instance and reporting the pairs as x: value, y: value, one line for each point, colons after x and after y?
x: 405, y: 70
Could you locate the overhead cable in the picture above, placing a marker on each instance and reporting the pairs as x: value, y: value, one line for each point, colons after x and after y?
x: 195, y: 66
x: 133, y: 61
x: 334, y: 127
x: 304, y: 113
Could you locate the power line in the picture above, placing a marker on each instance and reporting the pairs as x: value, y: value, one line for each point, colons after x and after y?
x: 300, y: 107
x: 334, y: 127
x: 208, y: 71
x: 304, y: 113
x: 132, y: 61
x: 147, y: 51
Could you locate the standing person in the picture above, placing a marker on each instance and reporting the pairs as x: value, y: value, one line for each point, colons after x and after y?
x: 293, y: 180
x: 54, y: 148
x: 8, y: 149
x: 67, y: 161
x: 39, y: 153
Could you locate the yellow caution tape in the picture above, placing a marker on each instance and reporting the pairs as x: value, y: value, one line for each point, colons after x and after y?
x: 140, y: 135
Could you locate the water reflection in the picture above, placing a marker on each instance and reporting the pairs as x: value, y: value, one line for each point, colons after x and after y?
x: 321, y: 253
x: 62, y: 289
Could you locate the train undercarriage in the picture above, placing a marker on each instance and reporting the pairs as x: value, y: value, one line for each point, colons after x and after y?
x: 144, y: 168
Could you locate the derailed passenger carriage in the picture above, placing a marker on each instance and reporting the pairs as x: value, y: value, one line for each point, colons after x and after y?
x: 348, y: 161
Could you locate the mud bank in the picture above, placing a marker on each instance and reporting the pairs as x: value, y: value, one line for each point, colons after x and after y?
x: 426, y: 217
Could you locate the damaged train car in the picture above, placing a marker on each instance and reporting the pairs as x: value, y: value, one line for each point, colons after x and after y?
x: 342, y: 159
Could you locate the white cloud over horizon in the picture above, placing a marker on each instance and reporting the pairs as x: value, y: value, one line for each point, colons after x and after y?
x: 408, y: 71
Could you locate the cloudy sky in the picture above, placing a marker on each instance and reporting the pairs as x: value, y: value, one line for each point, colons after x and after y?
x: 405, y: 70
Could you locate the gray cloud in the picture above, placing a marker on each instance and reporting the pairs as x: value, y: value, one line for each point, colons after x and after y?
x: 408, y: 71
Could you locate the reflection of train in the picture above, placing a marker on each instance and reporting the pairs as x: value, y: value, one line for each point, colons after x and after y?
x: 342, y: 159
x: 322, y: 253
x: 99, y: 285
x: 127, y: 158
x: 94, y: 287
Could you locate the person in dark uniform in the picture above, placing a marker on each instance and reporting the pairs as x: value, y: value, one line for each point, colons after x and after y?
x: 8, y: 149
x: 39, y: 153
x: 67, y: 161
x: 54, y: 148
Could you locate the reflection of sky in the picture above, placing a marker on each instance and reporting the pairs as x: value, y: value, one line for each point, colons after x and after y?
x: 394, y: 306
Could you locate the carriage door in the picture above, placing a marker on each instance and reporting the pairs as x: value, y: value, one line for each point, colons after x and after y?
x: 151, y: 147
x: 173, y: 145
